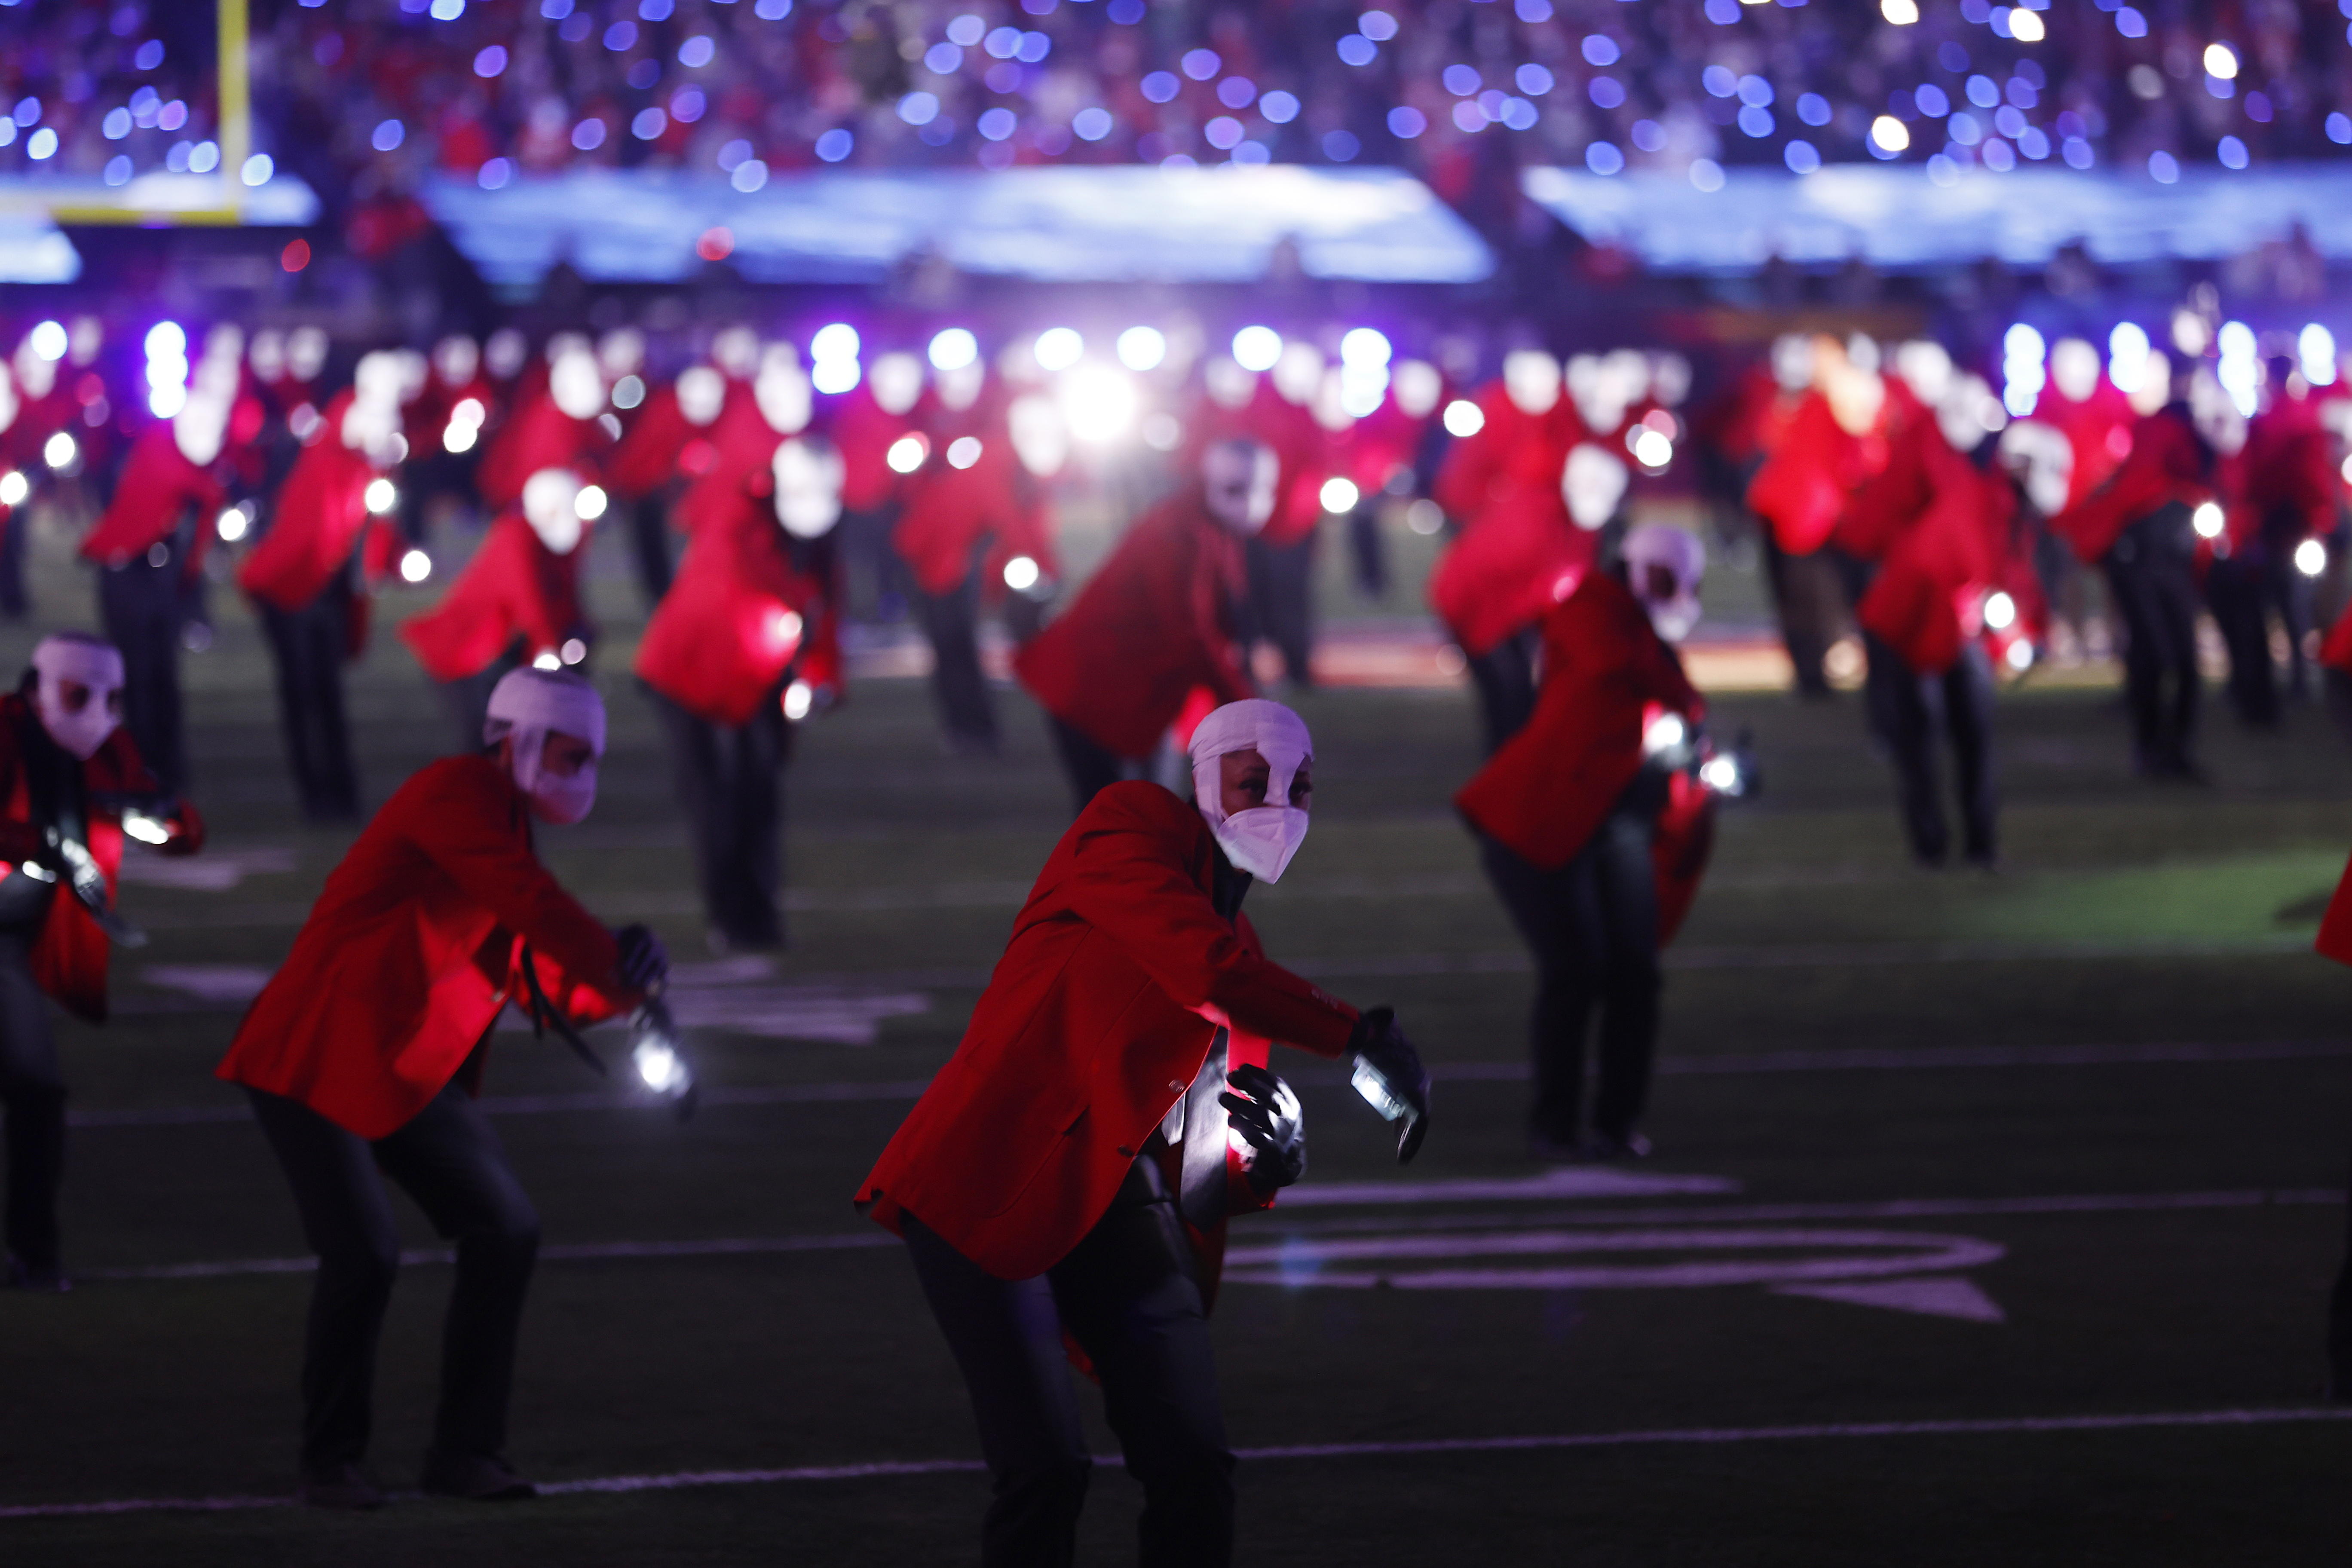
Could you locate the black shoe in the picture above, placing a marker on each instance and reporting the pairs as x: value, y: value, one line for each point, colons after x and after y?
x: 41, y: 1279
x: 1615, y: 1148
x: 1546, y: 1150
x: 345, y: 1487
x: 474, y: 1478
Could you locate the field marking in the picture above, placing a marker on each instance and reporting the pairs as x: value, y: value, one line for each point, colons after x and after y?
x: 1669, y: 1437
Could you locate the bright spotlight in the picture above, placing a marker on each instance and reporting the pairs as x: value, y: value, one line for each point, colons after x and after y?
x: 166, y: 340
x: 379, y: 496
x: 1059, y: 348
x: 1142, y: 348
x: 1365, y: 347
x: 1889, y: 133
x: 2310, y: 558
x: 1340, y: 494
x: 906, y: 454
x: 48, y: 341
x: 14, y: 487
x: 1021, y: 573
x: 1463, y: 417
x: 2128, y: 350
x: 955, y: 349
x: 59, y: 451
x: 1256, y: 348
x: 2207, y: 521
x: 1665, y: 732
x: 838, y: 341
x: 1100, y: 404
x: 591, y: 502
x: 415, y: 566
x: 2000, y: 612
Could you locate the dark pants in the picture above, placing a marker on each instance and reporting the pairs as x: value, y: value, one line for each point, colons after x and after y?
x: 1127, y: 1295
x: 1505, y: 679
x: 141, y: 605
x: 1806, y: 597
x: 2152, y: 574
x: 1091, y: 766
x: 958, y: 687
x: 447, y: 1160
x: 2235, y: 591
x: 309, y: 647
x: 1369, y: 550
x: 33, y: 1099
x: 729, y: 779
x: 1281, y: 603
x: 1909, y: 710
x: 1592, y: 926
x: 648, y: 521
x: 13, y: 602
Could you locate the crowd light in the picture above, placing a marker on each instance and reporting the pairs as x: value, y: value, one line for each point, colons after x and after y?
x: 964, y: 451
x: 2127, y: 349
x: 59, y: 451
x: 1021, y: 573
x: 1339, y: 495
x: 14, y: 487
x: 591, y: 502
x: 414, y: 566
x: 1256, y: 348
x: 2220, y: 62
x: 1888, y: 135
x: 2025, y: 26
x: 2207, y: 520
x: 2023, y: 375
x: 380, y: 497
x: 1901, y: 13
x: 906, y: 454
x: 1059, y: 348
x: 1463, y: 418
x: 1142, y: 348
x: 2310, y: 558
x: 2315, y: 348
x: 1100, y: 404
x: 953, y: 349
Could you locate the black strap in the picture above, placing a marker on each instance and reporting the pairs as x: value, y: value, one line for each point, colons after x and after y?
x: 545, y: 1016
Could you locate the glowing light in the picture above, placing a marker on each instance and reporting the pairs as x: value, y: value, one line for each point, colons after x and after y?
x: 2220, y: 61
x: 165, y: 339
x: 231, y: 523
x: 48, y: 341
x: 1901, y: 13
x: 1720, y: 774
x: 459, y: 436
x: 572, y: 651
x: 838, y: 341
x: 1652, y: 447
x: 2021, y: 370
x: 2315, y: 348
x: 2310, y: 558
x: 1339, y: 495
x: 145, y: 828
x: 2025, y: 26
x: 591, y: 503
x: 295, y: 257
x: 2207, y: 521
x: 415, y: 566
x: 2000, y: 610
x: 1256, y: 348
x: 1424, y: 517
x: 628, y: 392
x: 547, y: 661
x: 2127, y: 349
x: 784, y: 629
x: 1142, y: 348
x: 2020, y: 656
x: 1463, y: 417
x: 659, y: 1066
x: 955, y: 349
x: 1021, y: 573
x: 167, y: 400
x: 906, y: 454
x: 835, y: 375
x: 964, y: 451
x: 1059, y: 348
x: 1889, y: 133
x: 1099, y: 403
x: 798, y: 700
x: 59, y: 451
x: 1363, y: 346
x: 14, y: 487
x: 380, y: 497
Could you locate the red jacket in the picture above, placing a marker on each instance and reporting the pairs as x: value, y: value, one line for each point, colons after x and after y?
x: 1511, y: 450
x: 320, y: 515
x: 514, y: 588
x: 1546, y: 792
x: 950, y: 511
x: 2168, y: 462
x: 1802, y: 487
x: 157, y: 486
x: 1150, y: 625
x: 540, y: 437
x: 737, y: 616
x: 69, y: 955
x: 1098, y: 1017
x: 2334, y: 940
x: 1300, y: 446
x: 1509, y: 567
x: 654, y: 450
x: 1926, y: 600
x: 863, y: 431
x: 413, y: 946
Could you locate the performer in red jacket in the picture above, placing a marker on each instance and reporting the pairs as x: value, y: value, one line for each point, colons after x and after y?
x: 70, y: 783
x: 364, y: 1054
x: 667, y: 446
x: 1566, y: 817
x: 150, y: 547
x: 1067, y: 1175
x: 1155, y: 622
x: 746, y: 643
x: 518, y: 602
x: 2280, y: 491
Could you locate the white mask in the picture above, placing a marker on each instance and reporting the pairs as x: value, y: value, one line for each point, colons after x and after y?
x: 1261, y: 839
x: 702, y: 394
x: 505, y: 352
x: 576, y: 384
x: 782, y: 391
x: 306, y: 353
x: 95, y: 665
x: 551, y: 504
x: 1593, y: 482
x: 897, y: 380
x: 1531, y: 380
x: 1684, y: 558
x: 199, y: 428
x: 525, y: 708
x: 1237, y: 483
x: 736, y: 351
x: 454, y: 359
x: 561, y: 799
x: 807, y: 472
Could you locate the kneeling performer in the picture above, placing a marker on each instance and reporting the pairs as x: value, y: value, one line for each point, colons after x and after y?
x: 1068, y: 1173
x: 362, y: 1057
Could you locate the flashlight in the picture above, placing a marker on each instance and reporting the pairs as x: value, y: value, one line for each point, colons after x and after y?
x: 145, y: 828
x: 660, y: 1065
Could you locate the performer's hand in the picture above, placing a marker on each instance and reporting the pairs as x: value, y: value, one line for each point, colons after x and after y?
x: 645, y: 963
x: 1390, y: 1076
x: 1263, y: 1109
x: 82, y: 868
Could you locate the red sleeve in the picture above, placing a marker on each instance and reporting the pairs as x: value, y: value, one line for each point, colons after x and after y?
x: 1221, y: 670
x: 1131, y: 887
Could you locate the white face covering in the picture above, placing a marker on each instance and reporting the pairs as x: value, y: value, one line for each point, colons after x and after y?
x: 576, y: 384
x: 1531, y: 380
x: 505, y: 352
x: 306, y: 353
x: 1593, y: 482
x: 527, y: 706
x: 702, y: 394
x: 2075, y: 366
x: 1679, y: 551
x: 736, y: 351
x: 267, y: 353
x: 199, y: 428
x: 455, y: 359
x: 36, y: 373
x: 960, y: 388
x: 1793, y: 361
x: 782, y: 391
x: 551, y: 504
x: 1416, y: 387
x: 1262, y: 839
x: 86, y: 662
x: 897, y: 380
x: 1230, y: 386
x: 1298, y: 373
x: 808, y: 474
x: 1237, y: 480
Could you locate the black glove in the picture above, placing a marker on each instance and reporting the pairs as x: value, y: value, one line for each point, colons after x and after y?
x: 1261, y: 1109
x: 1390, y: 1076
x: 82, y: 872
x: 645, y: 963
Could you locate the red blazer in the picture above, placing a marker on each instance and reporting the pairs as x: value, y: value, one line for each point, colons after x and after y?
x: 863, y: 432
x: 514, y: 588
x: 735, y: 620
x: 2168, y: 462
x: 413, y: 946
x: 1926, y: 600
x: 157, y: 485
x: 320, y: 515
x: 650, y: 453
x: 70, y: 954
x: 1550, y: 786
x: 1679, y: 851
x: 1512, y: 449
x: 540, y: 437
x: 1098, y: 1017
x: 950, y: 511
x: 1509, y: 567
x: 1150, y: 625
x: 1803, y: 484
x: 2334, y: 940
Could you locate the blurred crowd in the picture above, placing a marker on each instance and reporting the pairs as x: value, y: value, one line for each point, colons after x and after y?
x: 1464, y: 92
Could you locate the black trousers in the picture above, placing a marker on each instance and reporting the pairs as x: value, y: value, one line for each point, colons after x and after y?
x: 140, y: 603
x: 1368, y: 550
x: 1127, y: 1296
x: 729, y: 779
x: 649, y: 523
x: 447, y: 1160
x: 2152, y: 574
x: 309, y: 647
x: 32, y: 1102
x: 1592, y: 926
x: 1281, y: 603
x: 2236, y: 592
x: 1092, y: 767
x: 1805, y: 598
x: 1505, y: 680
x: 13, y: 604
x: 950, y: 620
x: 1911, y: 711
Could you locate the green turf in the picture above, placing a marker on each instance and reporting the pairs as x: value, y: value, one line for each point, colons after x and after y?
x: 2126, y: 916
